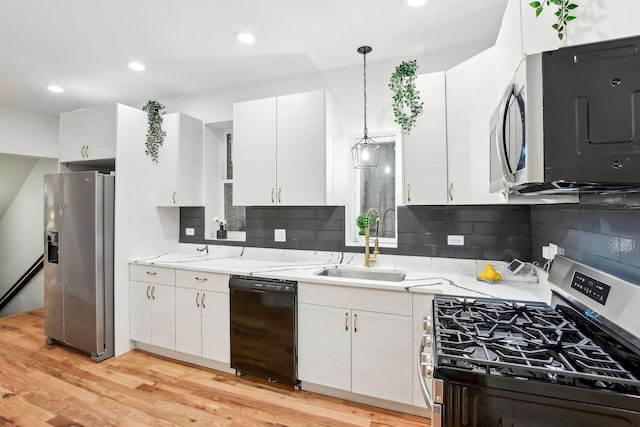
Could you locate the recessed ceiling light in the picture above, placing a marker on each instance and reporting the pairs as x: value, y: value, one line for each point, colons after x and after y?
x: 245, y: 37
x: 55, y: 88
x: 416, y: 3
x: 136, y: 66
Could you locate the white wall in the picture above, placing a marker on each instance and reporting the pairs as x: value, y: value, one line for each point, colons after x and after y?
x: 28, y: 134
x: 21, y: 233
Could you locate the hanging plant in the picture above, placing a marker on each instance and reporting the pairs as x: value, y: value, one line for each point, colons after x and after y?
x: 155, y: 134
x: 407, y: 105
x: 563, y: 14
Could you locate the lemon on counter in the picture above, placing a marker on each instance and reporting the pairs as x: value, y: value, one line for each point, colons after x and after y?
x: 490, y: 274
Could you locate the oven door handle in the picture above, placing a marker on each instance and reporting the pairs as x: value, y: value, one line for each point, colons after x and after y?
x: 423, y: 385
x: 502, y: 155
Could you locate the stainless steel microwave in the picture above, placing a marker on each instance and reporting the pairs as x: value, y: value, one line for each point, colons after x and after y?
x: 570, y: 121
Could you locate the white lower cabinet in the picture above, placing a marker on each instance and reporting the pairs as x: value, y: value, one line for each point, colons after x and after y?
x: 152, y: 308
x: 348, y: 348
x: 202, y: 323
x: 202, y: 314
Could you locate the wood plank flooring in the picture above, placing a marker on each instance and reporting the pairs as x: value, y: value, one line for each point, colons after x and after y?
x: 44, y: 385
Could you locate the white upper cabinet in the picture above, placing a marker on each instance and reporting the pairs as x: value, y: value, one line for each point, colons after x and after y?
x: 508, y: 48
x: 179, y: 168
x: 470, y: 103
x: 254, y: 152
x: 90, y: 133
x: 425, y: 148
x: 599, y: 20
x: 281, y: 150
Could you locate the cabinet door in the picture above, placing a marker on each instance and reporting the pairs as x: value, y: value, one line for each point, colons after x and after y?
x: 324, y: 346
x: 189, y: 161
x: 425, y: 148
x: 166, y: 169
x: 188, y: 322
x: 508, y: 49
x: 254, y: 153
x: 88, y: 134
x: 301, y: 152
x: 470, y: 103
x: 215, y: 326
x: 382, y: 353
x: 163, y: 316
x: 140, y: 311
x: 603, y: 20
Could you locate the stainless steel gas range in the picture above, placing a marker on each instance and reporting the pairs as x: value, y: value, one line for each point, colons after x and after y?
x: 576, y: 362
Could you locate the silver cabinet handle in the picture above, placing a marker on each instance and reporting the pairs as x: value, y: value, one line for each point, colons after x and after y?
x: 153, y: 292
x: 346, y: 321
x: 148, y: 289
x: 151, y: 273
x: 173, y: 197
x: 272, y: 191
x: 202, y: 300
x: 82, y: 151
x: 279, y: 192
x: 408, y: 193
x: 86, y: 151
x: 197, y: 303
x: 355, y: 323
x: 450, y: 191
x: 201, y: 279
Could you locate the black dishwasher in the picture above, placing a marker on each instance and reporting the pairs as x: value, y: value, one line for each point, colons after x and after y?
x: 263, y: 327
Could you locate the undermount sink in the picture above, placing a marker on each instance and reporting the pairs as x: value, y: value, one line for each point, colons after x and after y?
x: 362, y: 274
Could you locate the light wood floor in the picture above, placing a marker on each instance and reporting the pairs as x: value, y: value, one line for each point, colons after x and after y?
x: 44, y: 385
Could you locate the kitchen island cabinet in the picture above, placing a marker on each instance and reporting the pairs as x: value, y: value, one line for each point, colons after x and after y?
x: 286, y: 141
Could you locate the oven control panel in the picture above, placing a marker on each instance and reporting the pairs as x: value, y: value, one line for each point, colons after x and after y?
x: 592, y: 288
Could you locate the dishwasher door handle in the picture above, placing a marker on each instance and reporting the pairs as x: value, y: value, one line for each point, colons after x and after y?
x: 261, y: 291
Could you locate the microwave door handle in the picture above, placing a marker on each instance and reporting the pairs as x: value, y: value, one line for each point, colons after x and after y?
x: 502, y: 155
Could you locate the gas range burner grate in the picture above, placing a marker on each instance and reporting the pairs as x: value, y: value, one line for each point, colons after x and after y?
x: 524, y: 340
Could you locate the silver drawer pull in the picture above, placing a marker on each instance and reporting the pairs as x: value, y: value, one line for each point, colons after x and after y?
x: 201, y: 279
x: 151, y: 273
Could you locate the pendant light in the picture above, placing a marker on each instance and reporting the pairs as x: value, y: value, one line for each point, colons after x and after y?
x: 365, y: 152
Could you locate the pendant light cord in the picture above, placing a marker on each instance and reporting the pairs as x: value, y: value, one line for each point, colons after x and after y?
x: 364, y: 75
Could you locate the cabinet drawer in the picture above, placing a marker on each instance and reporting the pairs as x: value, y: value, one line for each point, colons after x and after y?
x: 202, y: 280
x: 381, y: 301
x: 150, y: 274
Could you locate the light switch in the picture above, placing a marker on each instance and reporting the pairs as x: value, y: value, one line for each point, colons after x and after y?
x: 455, y: 240
x: 280, y: 235
x: 190, y: 231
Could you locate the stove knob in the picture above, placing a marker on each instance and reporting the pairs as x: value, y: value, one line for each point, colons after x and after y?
x: 427, y: 339
x: 427, y: 323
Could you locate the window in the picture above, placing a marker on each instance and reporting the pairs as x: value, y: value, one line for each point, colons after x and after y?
x: 236, y: 216
x: 376, y: 188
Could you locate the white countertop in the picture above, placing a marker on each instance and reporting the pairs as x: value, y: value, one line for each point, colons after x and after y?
x: 423, y: 274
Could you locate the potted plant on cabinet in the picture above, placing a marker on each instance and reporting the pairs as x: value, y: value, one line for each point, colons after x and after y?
x: 407, y: 105
x: 155, y: 134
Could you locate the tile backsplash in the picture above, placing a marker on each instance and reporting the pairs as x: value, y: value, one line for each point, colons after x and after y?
x: 490, y: 232
x: 602, y: 231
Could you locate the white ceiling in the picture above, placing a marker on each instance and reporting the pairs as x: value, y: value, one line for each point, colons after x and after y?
x: 188, y: 45
x: 13, y: 171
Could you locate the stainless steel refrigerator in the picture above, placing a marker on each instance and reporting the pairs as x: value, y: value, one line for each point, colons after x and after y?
x: 78, y: 269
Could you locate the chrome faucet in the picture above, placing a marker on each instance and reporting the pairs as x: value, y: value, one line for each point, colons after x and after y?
x: 368, y: 260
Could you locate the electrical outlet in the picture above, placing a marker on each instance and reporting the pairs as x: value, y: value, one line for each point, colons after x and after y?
x: 280, y: 235
x: 190, y: 231
x: 455, y: 240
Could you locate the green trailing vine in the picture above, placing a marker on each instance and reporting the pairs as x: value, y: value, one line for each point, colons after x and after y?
x: 155, y: 134
x: 407, y: 105
x: 563, y: 13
